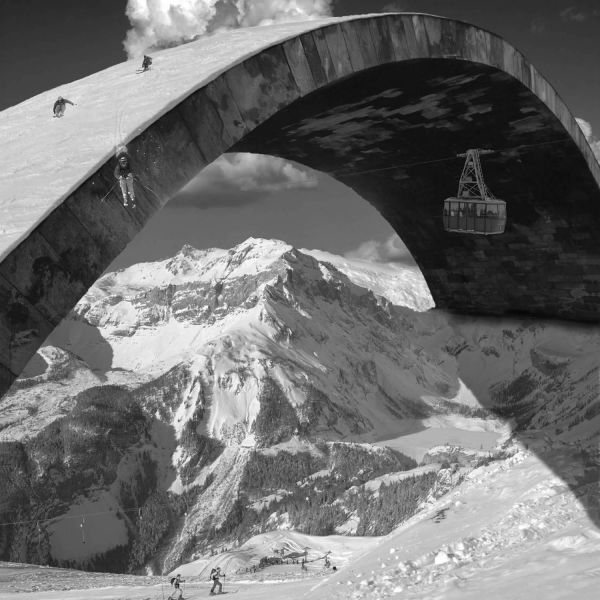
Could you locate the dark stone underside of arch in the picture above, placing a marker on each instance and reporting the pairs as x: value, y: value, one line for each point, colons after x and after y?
x: 367, y: 130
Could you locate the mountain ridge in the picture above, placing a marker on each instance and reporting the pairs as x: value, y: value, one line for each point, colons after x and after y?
x: 234, y: 362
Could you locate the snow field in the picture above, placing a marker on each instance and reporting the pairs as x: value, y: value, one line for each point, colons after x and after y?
x: 495, y: 536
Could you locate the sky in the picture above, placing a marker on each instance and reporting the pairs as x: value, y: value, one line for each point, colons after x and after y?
x: 45, y: 44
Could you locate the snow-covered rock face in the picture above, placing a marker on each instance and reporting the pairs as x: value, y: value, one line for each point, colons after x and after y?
x: 261, y: 327
x: 403, y: 285
x: 274, y: 341
x: 221, y: 357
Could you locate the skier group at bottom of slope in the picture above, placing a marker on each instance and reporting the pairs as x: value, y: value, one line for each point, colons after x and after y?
x: 215, y: 576
x: 217, y: 586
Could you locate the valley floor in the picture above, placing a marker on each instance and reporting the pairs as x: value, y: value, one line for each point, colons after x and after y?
x: 39, y: 583
x: 512, y: 530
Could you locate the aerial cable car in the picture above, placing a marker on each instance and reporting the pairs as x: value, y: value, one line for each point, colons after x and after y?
x: 474, y: 209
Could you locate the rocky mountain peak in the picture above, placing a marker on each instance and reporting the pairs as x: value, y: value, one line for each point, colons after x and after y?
x: 220, y: 377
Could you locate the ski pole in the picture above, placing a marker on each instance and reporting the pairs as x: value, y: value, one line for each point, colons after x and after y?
x: 149, y: 189
x: 107, y: 193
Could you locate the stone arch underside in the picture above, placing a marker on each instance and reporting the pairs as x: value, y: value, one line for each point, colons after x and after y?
x: 362, y: 99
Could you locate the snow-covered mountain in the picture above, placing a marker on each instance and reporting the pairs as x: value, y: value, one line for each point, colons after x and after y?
x: 190, y: 403
x: 401, y: 284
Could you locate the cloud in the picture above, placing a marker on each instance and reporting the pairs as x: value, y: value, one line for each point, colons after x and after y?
x: 243, y: 178
x: 589, y: 136
x: 391, y: 250
x: 580, y: 14
x: 159, y: 24
x: 572, y: 13
x: 394, y: 6
x: 537, y: 25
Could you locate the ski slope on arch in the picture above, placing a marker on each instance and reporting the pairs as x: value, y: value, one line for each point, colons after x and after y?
x: 45, y: 159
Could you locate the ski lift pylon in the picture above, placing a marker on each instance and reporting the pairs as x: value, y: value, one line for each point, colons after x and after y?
x: 474, y: 209
x: 82, y: 525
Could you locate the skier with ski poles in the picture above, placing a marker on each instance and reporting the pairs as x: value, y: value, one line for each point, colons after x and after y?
x: 177, y: 594
x: 60, y: 106
x: 146, y: 63
x: 124, y: 175
x: 215, y: 574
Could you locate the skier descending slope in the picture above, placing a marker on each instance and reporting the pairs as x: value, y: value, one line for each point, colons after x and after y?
x: 145, y: 64
x: 60, y: 106
x: 124, y: 175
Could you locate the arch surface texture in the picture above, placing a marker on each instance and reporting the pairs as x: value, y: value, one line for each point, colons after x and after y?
x: 380, y: 102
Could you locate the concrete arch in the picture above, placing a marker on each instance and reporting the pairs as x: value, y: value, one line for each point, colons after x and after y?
x: 349, y: 97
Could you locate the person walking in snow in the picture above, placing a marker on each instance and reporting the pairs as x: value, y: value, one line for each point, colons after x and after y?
x: 146, y: 63
x: 176, y: 582
x: 124, y: 175
x: 60, y: 106
x: 215, y: 574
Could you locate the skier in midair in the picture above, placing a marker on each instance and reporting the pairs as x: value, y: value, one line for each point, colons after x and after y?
x: 146, y: 63
x: 215, y: 574
x: 124, y: 175
x: 60, y: 106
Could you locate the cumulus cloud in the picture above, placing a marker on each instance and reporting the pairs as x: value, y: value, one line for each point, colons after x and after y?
x: 572, y: 13
x: 242, y: 178
x: 391, y: 250
x: 255, y: 172
x: 165, y: 23
x: 581, y: 13
x: 589, y: 136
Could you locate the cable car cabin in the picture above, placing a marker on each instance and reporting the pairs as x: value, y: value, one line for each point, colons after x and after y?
x: 474, y: 209
x: 474, y: 216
